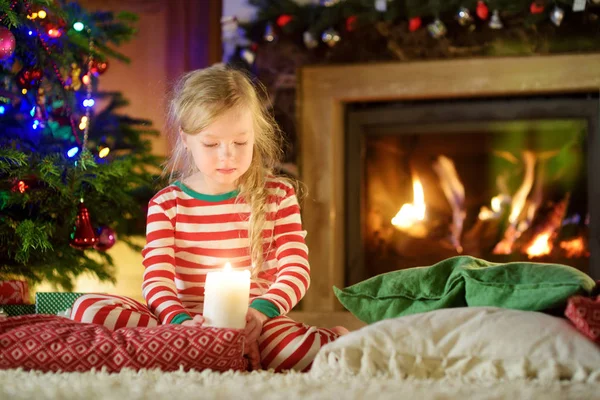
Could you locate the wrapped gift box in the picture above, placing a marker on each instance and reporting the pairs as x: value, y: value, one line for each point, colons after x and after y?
x: 14, y: 292
x: 53, y: 302
x: 14, y: 310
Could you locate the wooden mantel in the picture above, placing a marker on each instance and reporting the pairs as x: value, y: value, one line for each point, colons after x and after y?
x: 323, y: 92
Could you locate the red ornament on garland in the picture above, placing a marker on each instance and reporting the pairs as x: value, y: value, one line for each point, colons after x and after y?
x: 283, y: 20
x: 98, y: 67
x: 106, y: 238
x: 28, y: 78
x: 7, y: 43
x: 482, y: 10
x: 84, y: 236
x: 351, y: 23
x: 536, y: 8
x: 414, y: 24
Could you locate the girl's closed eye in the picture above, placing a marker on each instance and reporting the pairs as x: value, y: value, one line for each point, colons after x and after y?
x: 210, y: 144
x: 241, y: 143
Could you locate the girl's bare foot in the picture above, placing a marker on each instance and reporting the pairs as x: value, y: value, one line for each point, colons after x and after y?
x: 340, y: 330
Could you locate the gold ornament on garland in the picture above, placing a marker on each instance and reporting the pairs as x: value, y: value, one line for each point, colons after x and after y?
x: 465, y: 18
x: 74, y: 81
x: 330, y: 37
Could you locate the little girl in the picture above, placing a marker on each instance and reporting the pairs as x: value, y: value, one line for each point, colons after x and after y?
x: 224, y: 205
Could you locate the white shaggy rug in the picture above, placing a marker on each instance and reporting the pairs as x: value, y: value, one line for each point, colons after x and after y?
x: 18, y: 384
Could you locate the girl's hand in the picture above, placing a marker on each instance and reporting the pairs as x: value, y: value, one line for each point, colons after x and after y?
x: 253, y: 355
x: 254, y: 323
x: 198, y: 320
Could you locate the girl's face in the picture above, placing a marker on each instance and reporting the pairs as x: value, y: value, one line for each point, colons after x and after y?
x: 223, y: 150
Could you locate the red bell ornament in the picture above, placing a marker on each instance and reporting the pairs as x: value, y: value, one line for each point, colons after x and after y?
x: 84, y: 236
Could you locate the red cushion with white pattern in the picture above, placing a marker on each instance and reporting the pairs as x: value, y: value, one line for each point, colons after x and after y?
x: 52, y: 343
x: 584, y: 313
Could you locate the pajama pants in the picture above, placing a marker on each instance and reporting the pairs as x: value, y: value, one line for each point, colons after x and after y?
x: 283, y: 343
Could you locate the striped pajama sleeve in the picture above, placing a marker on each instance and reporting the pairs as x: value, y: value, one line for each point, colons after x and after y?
x: 293, y: 277
x: 158, y: 286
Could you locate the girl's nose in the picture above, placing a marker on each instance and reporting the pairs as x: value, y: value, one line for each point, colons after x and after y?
x: 226, y: 152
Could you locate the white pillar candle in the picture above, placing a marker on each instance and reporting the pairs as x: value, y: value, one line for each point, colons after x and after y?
x: 226, y: 297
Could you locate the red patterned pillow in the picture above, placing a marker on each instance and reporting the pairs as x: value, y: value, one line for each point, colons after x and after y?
x: 584, y: 312
x: 52, y: 343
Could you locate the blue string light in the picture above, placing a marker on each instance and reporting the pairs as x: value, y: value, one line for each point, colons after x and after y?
x: 73, y: 151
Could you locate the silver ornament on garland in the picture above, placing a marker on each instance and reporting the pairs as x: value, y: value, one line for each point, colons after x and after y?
x: 248, y: 55
x: 495, y: 21
x: 381, y: 5
x: 464, y: 17
x: 437, y: 29
x: 309, y: 40
x: 557, y: 15
x: 330, y: 37
x: 269, y: 35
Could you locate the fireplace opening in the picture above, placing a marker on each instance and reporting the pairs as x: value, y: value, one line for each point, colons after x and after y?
x: 503, y: 179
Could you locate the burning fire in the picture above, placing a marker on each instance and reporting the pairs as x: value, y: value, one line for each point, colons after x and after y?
x: 540, y: 246
x: 575, y: 248
x: 411, y: 213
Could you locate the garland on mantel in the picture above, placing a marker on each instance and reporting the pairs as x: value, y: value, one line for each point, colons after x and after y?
x: 345, y: 31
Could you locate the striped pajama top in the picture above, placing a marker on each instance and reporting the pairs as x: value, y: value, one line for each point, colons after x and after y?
x: 189, y: 234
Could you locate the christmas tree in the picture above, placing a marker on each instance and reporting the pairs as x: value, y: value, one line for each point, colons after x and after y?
x: 75, y: 173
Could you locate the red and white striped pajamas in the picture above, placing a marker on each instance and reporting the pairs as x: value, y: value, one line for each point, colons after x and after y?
x: 189, y: 234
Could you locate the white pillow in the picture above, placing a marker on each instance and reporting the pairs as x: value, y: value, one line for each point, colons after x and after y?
x: 476, y: 342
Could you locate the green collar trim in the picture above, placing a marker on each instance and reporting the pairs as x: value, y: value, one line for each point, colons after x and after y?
x: 206, y: 197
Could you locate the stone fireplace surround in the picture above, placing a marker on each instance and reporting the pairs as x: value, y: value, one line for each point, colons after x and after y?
x: 323, y: 92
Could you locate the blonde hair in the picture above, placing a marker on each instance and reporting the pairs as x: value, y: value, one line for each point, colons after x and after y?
x: 198, y: 99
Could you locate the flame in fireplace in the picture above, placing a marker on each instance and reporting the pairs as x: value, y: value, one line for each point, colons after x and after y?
x: 512, y: 233
x: 411, y: 213
x: 454, y: 190
x: 540, y: 246
x: 574, y: 248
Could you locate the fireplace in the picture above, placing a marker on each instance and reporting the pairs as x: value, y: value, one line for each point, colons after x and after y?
x: 503, y: 179
x: 491, y: 94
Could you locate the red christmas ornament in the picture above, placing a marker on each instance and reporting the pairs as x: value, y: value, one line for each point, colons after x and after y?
x: 482, y: 10
x: 536, y: 8
x: 28, y: 78
x: 351, y: 23
x: 7, y: 43
x: 84, y: 236
x: 414, y: 24
x: 98, y: 67
x: 283, y: 20
x: 106, y: 238
x: 55, y: 32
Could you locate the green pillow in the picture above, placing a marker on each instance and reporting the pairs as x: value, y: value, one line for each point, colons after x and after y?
x: 463, y: 281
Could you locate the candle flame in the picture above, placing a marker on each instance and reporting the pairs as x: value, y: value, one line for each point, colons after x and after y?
x: 227, y: 267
